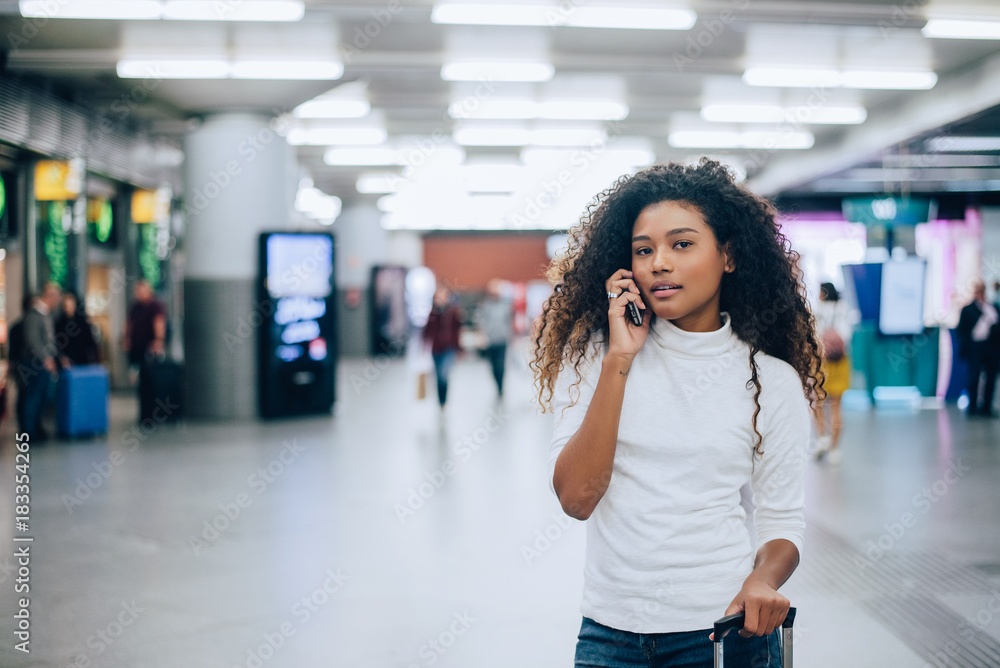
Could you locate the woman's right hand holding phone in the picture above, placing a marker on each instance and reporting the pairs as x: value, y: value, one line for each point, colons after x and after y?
x: 626, y: 338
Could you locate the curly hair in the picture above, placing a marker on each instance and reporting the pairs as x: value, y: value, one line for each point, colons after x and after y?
x: 770, y: 316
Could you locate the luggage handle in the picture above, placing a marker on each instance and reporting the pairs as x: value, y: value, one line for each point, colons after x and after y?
x: 734, y: 622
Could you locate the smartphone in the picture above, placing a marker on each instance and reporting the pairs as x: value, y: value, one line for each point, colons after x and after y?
x: 633, y: 312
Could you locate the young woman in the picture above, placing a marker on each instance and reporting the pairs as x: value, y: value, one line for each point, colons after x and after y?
x: 660, y: 425
x: 834, y: 330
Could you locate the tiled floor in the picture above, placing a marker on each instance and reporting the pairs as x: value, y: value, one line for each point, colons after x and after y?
x: 393, y: 535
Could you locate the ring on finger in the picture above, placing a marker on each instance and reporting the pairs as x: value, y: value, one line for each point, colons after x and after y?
x: 612, y: 295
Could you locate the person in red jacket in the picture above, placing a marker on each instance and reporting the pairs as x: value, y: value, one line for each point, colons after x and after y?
x: 441, y: 332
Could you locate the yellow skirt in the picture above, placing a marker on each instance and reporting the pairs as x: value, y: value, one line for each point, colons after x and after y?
x: 838, y: 376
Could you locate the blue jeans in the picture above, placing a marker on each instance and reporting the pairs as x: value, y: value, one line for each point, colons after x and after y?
x: 600, y: 645
x: 442, y: 367
x: 36, y: 395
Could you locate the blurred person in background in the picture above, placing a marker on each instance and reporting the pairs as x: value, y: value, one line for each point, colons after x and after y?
x: 15, y: 356
x: 74, y: 334
x: 833, y: 327
x: 145, y: 337
x: 979, y: 344
x: 495, y: 317
x: 37, y: 367
x: 442, y: 332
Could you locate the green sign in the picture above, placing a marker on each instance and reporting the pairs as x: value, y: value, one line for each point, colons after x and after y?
x: 889, y: 210
x: 149, y: 258
x: 102, y: 227
x: 55, y: 244
x: 3, y: 196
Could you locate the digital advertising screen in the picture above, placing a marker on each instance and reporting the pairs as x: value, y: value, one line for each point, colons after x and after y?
x: 902, y: 297
x: 298, y: 341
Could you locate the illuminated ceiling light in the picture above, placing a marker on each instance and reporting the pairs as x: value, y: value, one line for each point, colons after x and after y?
x: 584, y: 110
x: 550, y: 15
x: 790, y: 77
x: 539, y: 156
x: 298, y: 70
x: 777, y: 140
x: 889, y: 80
x: 492, y: 178
x: 566, y: 137
x: 153, y: 68
x: 742, y: 113
x: 243, y: 10
x: 493, y: 15
x: 332, y: 108
x: 511, y: 109
x: 388, y: 203
x: 486, y: 136
x: 316, y: 204
x: 362, y: 156
x: 497, y: 71
x: 962, y: 29
x: 374, y: 184
x: 92, y: 9
x: 968, y: 144
x: 805, y: 114
x: 630, y: 18
x: 352, y: 136
x: 730, y: 139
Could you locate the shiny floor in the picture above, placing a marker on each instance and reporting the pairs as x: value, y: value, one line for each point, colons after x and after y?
x: 396, y: 535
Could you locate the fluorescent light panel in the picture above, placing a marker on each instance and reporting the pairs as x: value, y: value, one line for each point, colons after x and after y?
x: 185, y: 10
x: 363, y: 156
x: 297, y: 70
x: 245, y: 10
x: 91, y: 9
x: 332, y: 109
x: 760, y: 113
x: 219, y: 68
x: 730, y: 139
x: 497, y: 71
x: 522, y: 109
x: 629, y: 18
x: 332, y: 136
x: 485, y: 136
x: 786, y: 77
x: 374, y: 184
x: 962, y: 29
x: 948, y: 144
x: 141, y: 68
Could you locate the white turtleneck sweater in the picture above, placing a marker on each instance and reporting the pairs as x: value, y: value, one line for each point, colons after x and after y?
x: 667, y: 546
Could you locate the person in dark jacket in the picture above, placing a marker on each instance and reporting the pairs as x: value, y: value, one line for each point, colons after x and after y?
x: 979, y: 344
x: 442, y: 330
x: 145, y: 337
x: 74, y: 334
x: 38, y: 367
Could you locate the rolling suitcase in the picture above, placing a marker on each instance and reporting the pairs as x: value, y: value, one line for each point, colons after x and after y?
x: 82, y: 401
x: 163, y: 398
x: 736, y: 622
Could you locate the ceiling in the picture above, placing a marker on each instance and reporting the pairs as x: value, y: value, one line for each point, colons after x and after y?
x: 395, y: 53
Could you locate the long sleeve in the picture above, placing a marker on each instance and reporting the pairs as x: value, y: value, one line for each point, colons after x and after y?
x: 778, y: 476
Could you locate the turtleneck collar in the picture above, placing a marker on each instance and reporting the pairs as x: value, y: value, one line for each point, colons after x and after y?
x: 694, y: 344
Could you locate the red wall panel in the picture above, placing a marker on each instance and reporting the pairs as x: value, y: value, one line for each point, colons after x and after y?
x: 467, y: 262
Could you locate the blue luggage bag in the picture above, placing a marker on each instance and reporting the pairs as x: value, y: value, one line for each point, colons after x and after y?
x: 82, y: 401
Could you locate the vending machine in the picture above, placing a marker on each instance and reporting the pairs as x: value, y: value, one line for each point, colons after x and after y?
x: 298, y: 351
